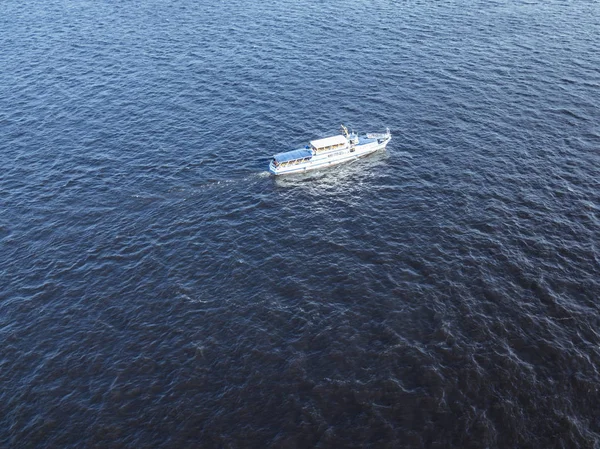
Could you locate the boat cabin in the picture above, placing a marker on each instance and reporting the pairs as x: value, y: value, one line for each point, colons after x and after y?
x: 329, y: 143
x: 292, y: 157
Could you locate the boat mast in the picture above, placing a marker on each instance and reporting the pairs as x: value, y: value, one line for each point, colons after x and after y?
x: 344, y: 130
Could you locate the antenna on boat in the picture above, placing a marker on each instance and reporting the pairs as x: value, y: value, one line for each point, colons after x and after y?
x: 344, y: 130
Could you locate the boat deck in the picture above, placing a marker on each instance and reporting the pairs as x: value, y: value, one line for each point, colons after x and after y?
x: 363, y: 140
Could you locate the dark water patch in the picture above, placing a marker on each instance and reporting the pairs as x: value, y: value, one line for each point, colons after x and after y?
x: 158, y: 288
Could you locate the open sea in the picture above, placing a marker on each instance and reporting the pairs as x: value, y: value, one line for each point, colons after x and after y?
x: 159, y: 289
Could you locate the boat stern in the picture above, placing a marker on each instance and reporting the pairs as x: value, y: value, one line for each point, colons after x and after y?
x: 274, y: 167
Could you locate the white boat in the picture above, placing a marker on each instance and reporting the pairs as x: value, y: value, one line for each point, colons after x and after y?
x: 329, y: 151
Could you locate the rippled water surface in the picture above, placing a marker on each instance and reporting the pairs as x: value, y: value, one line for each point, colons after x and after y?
x: 159, y: 289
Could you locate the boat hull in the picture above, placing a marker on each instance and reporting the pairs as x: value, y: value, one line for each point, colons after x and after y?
x: 330, y: 159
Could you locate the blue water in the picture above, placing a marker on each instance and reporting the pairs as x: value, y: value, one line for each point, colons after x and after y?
x: 159, y: 289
